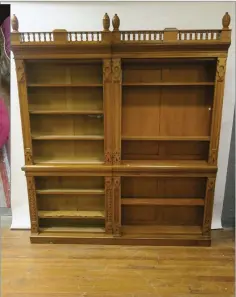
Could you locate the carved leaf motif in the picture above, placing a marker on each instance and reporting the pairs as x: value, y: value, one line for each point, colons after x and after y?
x: 28, y: 156
x: 108, y: 157
x: 221, y: 64
x: 116, y: 157
x: 116, y: 70
x: 107, y: 71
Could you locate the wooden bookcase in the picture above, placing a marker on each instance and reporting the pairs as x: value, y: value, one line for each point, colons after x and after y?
x: 121, y: 132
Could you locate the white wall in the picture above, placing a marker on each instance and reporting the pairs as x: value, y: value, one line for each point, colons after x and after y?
x: 139, y: 15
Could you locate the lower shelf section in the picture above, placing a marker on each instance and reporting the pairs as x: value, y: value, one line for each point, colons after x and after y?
x: 134, y: 239
x: 72, y: 230
x: 157, y: 230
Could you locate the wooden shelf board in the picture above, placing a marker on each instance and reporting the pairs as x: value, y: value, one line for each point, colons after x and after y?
x: 168, y: 84
x: 165, y: 163
x: 62, y: 112
x: 67, y: 137
x: 72, y: 229
x: 45, y: 161
x: 71, y: 192
x: 162, y: 201
x: 158, y: 229
x: 60, y: 214
x: 168, y: 138
x: 48, y: 85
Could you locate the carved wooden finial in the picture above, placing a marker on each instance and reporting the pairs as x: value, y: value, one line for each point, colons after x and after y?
x: 226, y: 21
x: 106, y: 22
x: 116, y: 23
x: 14, y: 23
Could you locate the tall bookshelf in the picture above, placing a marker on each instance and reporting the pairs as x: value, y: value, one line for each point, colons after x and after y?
x: 121, y: 132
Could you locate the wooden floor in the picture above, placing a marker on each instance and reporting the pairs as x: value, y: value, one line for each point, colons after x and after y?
x: 111, y: 271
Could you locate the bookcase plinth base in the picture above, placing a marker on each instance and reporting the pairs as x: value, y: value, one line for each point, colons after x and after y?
x: 170, y: 240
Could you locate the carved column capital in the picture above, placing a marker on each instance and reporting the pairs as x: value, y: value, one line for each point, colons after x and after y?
x: 116, y: 158
x: 116, y: 70
x: 28, y: 156
x: 221, y: 67
x: 107, y: 71
x: 20, y: 71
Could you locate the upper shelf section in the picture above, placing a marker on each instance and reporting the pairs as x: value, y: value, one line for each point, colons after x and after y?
x: 155, y: 37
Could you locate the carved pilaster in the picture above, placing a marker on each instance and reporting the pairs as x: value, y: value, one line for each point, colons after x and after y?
x: 220, y: 71
x: 117, y: 207
x: 107, y: 71
x: 32, y: 204
x: 109, y: 200
x: 116, y: 70
x: 209, y: 199
x: 217, y: 110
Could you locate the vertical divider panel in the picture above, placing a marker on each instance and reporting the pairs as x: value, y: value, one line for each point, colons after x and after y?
x: 117, y: 105
x: 32, y: 204
x: 108, y: 204
x: 209, y: 199
x: 25, y: 121
x: 107, y: 110
x: 217, y: 110
x: 117, y: 206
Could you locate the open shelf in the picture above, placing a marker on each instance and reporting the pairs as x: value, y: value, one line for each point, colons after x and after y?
x: 51, y: 85
x: 88, y: 229
x: 162, y: 201
x: 66, y: 112
x: 168, y: 138
x: 158, y: 229
x: 63, y: 214
x: 67, y: 137
x: 143, y: 84
x: 70, y: 192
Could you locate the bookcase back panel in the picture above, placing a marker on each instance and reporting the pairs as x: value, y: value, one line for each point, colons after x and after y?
x: 71, y: 202
x: 81, y: 99
x: 63, y: 73
x: 141, y: 111
x: 66, y: 125
x: 162, y: 215
x: 71, y: 225
x: 159, y: 187
x: 69, y: 183
x: 161, y: 111
x: 164, y: 150
x: 174, y: 70
x: 56, y: 151
x: 186, y: 111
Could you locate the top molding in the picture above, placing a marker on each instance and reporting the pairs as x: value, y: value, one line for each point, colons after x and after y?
x: 168, y: 36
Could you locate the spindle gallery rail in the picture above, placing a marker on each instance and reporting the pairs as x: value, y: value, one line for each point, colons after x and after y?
x: 205, y: 35
x: 93, y: 36
x: 141, y: 36
x: 117, y: 36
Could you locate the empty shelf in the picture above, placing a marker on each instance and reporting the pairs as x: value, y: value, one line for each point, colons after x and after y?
x: 162, y: 201
x: 168, y: 84
x: 168, y: 138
